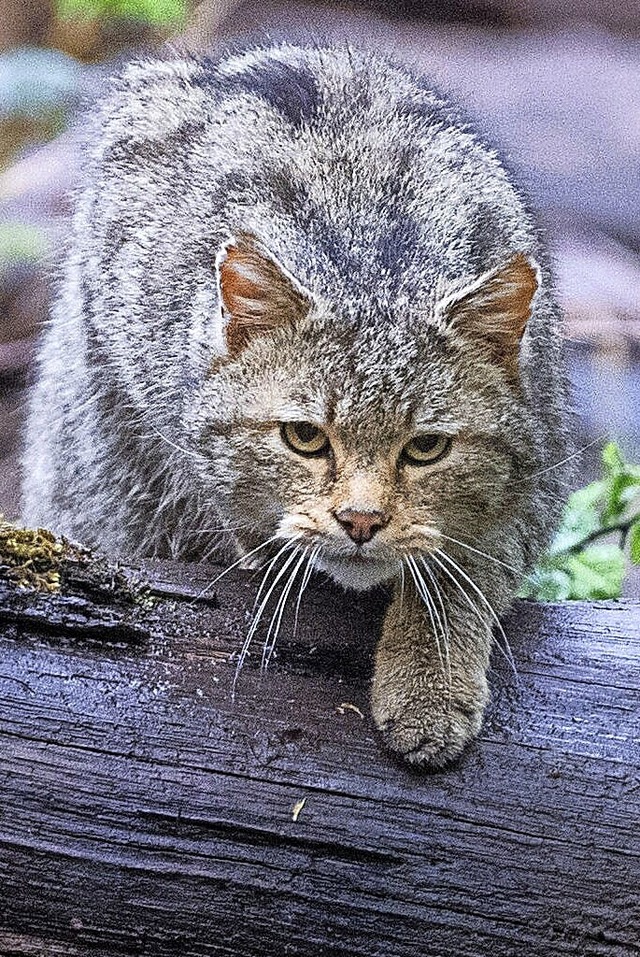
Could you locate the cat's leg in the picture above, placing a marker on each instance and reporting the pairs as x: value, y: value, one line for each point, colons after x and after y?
x: 70, y: 457
x: 430, y: 687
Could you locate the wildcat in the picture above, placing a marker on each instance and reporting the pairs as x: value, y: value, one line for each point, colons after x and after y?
x: 306, y: 318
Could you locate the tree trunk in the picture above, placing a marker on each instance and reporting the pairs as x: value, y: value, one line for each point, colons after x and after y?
x: 144, y: 812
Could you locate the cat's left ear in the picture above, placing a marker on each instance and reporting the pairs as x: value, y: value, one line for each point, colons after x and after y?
x: 257, y: 294
x: 494, y: 310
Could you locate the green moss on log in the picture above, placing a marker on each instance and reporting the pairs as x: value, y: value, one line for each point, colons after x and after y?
x: 32, y: 557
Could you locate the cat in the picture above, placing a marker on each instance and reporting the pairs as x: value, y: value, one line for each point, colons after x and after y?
x: 306, y: 317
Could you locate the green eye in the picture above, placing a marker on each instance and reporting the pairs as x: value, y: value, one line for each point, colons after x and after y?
x: 425, y: 449
x: 305, y: 438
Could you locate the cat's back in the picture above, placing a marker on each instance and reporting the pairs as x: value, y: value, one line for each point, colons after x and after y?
x: 347, y: 166
x: 362, y: 182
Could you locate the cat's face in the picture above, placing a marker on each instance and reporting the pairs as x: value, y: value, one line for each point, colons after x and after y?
x: 360, y: 444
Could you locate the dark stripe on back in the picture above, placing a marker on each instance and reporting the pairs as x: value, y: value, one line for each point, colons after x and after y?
x: 288, y: 88
x: 135, y: 151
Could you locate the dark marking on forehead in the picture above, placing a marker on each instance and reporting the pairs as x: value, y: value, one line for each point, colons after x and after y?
x: 289, y: 88
x: 235, y: 185
x: 114, y: 238
x: 289, y: 192
x: 86, y: 293
x: 398, y: 246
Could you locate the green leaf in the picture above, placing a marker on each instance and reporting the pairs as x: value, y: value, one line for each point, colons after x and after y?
x: 581, y: 517
x: 622, y: 489
x: 634, y: 542
x: 612, y: 459
x: 156, y: 12
x: 547, y: 584
x: 571, y: 568
x: 596, y: 573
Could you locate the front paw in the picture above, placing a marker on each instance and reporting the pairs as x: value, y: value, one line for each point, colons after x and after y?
x: 426, y: 718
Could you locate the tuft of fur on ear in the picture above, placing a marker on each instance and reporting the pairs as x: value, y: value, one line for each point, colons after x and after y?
x: 257, y: 294
x: 494, y: 309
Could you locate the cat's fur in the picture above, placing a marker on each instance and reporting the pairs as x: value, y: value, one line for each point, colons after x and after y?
x: 304, y: 234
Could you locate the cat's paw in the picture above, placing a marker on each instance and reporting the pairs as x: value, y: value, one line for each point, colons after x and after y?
x: 423, y: 721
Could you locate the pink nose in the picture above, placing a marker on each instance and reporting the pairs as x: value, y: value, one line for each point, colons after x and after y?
x: 361, y: 526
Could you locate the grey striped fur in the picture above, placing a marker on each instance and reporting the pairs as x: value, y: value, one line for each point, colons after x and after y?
x: 367, y: 187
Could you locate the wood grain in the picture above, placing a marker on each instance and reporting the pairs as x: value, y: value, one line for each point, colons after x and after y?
x: 142, y: 811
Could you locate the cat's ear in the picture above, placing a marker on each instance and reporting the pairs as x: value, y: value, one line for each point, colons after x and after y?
x: 494, y: 309
x: 257, y: 294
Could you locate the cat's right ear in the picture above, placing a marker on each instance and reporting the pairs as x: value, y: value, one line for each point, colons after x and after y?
x: 257, y: 294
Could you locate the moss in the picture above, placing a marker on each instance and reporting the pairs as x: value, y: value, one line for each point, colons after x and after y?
x: 32, y: 558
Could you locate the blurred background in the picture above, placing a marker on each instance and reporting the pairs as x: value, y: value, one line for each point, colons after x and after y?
x: 555, y: 85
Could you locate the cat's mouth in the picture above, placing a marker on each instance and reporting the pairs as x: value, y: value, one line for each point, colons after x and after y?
x: 359, y: 571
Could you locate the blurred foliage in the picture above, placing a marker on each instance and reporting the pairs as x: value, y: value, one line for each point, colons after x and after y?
x: 40, y: 90
x: 43, y: 83
x: 156, y: 12
x: 36, y: 82
x: 20, y: 243
x: 600, y: 530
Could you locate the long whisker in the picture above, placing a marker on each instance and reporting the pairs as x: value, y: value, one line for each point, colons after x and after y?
x: 462, y: 591
x: 235, y: 565
x: 478, y: 551
x: 305, y: 581
x: 507, y: 649
x: 221, y: 528
x: 556, y: 465
x: 443, y: 621
x: 445, y: 637
x: 423, y: 592
x: 270, y: 643
x: 258, y: 615
x: 178, y: 448
x: 402, y: 584
x: 287, y: 545
x: 438, y: 533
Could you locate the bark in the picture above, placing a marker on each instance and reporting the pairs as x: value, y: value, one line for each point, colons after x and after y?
x: 143, y: 811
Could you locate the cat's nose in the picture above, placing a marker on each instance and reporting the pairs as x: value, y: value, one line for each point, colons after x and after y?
x: 361, y: 526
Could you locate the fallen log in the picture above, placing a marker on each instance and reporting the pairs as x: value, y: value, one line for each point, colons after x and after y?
x: 145, y: 812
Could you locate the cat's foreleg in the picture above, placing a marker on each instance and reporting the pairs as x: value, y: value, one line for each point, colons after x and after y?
x: 430, y: 687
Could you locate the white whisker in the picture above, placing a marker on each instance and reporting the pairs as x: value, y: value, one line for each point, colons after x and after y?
x: 287, y: 545
x: 478, y: 551
x: 423, y: 592
x: 507, y: 649
x: 235, y: 565
x: 269, y: 645
x: 221, y: 528
x: 178, y: 448
x: 402, y: 585
x: 305, y: 581
x: 258, y: 615
x: 556, y: 465
x: 466, y: 597
x: 442, y: 621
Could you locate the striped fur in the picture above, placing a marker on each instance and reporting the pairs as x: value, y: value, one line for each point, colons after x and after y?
x: 146, y: 437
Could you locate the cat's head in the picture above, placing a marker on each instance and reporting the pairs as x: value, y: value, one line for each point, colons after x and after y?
x: 362, y: 439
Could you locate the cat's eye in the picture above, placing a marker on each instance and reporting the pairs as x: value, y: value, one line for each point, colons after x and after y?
x: 305, y: 438
x: 425, y: 449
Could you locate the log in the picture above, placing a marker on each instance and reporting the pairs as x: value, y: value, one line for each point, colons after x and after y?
x: 145, y: 812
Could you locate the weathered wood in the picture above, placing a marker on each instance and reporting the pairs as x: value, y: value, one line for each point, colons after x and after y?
x: 142, y: 811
